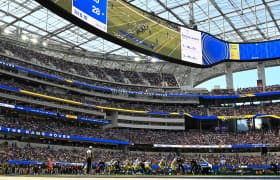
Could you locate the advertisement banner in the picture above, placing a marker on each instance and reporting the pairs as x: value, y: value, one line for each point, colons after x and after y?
x: 234, y: 51
x: 191, y: 50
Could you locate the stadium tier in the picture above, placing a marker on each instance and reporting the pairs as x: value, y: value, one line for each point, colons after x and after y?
x: 106, y: 74
x: 59, y: 125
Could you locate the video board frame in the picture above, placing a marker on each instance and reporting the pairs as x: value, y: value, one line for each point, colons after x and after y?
x: 135, y: 29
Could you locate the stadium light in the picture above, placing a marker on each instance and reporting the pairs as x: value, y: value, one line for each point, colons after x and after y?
x: 137, y: 59
x: 154, y: 59
x: 7, y: 31
x: 34, y: 40
x: 45, y: 43
x: 24, y: 37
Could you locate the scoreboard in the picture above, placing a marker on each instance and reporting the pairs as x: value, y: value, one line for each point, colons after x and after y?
x: 93, y: 12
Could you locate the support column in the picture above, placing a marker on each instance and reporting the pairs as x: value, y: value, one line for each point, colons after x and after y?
x: 125, y: 150
x: 189, y: 78
x: 229, y: 77
x: 19, y: 32
x: 261, y: 74
x: 191, y: 15
x: 113, y: 117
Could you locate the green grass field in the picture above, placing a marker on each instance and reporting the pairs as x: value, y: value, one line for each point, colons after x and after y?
x: 122, y: 16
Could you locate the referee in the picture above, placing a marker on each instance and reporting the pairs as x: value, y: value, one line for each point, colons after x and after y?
x: 89, y: 159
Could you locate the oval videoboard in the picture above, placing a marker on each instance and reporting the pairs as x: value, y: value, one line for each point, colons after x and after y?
x: 135, y: 29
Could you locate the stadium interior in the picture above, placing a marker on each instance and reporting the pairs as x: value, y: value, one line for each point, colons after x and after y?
x: 64, y: 89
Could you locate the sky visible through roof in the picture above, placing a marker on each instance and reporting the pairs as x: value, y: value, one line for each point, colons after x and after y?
x: 245, y: 79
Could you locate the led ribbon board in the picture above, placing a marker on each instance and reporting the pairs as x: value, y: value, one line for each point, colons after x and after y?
x: 138, y: 30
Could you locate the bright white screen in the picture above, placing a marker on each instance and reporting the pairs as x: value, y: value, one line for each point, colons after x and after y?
x: 191, y: 50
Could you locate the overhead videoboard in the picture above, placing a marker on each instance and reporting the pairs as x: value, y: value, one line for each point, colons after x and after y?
x: 133, y: 28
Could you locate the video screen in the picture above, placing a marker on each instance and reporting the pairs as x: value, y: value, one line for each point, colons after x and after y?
x: 162, y: 38
x: 258, y: 123
x: 242, y: 125
x: 93, y: 12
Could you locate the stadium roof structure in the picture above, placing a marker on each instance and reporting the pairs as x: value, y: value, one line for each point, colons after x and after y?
x: 232, y: 20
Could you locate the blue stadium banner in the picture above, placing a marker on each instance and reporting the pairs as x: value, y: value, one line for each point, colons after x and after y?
x: 62, y: 136
x: 50, y: 113
x: 94, y: 12
x: 6, y: 64
x: 25, y: 162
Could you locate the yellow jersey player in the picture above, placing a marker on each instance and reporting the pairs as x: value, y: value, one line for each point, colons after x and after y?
x: 128, y: 166
x: 162, y: 166
x: 173, y: 166
x: 147, y: 166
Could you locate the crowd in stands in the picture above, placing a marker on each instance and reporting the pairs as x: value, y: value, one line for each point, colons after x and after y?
x: 275, y: 109
x: 222, y: 111
x: 88, y: 73
x: 265, y: 108
x: 258, y: 89
x: 137, y: 136
x: 272, y: 88
x: 100, y: 74
x: 77, y: 156
x: 252, y: 109
x: 120, y: 76
x: 243, y: 110
x: 133, y: 77
x: 248, y: 90
x: 85, y: 70
x: 223, y: 92
x: 94, y: 100
x: 60, y: 127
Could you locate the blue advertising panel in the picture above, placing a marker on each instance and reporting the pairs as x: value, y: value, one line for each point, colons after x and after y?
x: 93, y: 12
x: 213, y: 49
x: 260, y: 51
x: 62, y: 136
